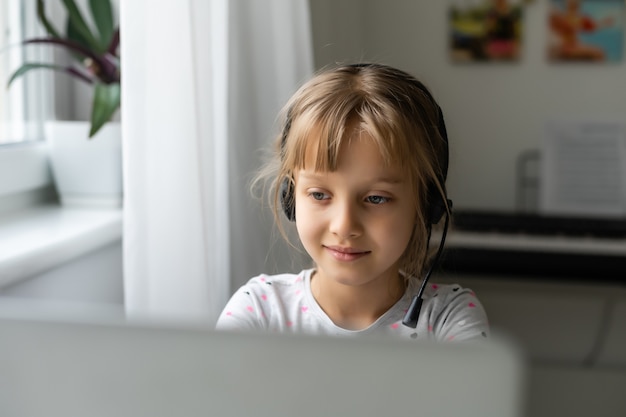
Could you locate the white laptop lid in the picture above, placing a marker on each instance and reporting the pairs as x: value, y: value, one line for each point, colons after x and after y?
x: 98, y: 368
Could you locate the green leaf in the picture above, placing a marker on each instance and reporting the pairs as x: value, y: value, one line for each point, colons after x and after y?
x: 41, y: 14
x: 79, y: 25
x: 106, y: 101
x: 74, y: 35
x: 31, y: 66
x: 102, y: 14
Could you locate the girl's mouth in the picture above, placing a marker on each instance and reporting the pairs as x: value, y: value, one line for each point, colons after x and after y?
x: 346, y: 254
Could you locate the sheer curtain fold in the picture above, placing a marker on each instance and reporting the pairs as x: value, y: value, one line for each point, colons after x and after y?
x: 203, y: 80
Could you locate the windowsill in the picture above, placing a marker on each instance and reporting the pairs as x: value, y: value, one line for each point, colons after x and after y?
x: 37, y: 239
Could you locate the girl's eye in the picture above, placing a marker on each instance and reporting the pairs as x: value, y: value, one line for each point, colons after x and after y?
x: 377, y: 199
x: 318, y: 195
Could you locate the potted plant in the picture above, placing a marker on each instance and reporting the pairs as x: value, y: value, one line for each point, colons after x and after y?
x: 96, y: 56
x: 86, y: 172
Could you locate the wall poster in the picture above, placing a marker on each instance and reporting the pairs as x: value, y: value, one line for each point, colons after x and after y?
x: 485, y: 30
x: 585, y: 30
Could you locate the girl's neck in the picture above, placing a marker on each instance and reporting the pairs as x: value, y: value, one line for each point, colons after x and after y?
x: 356, y: 307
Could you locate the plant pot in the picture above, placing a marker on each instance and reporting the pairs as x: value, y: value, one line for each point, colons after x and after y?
x: 87, y: 172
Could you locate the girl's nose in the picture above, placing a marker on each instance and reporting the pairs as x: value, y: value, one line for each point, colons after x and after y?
x: 345, y: 222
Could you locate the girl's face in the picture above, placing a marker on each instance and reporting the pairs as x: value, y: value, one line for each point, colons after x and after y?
x: 357, y: 221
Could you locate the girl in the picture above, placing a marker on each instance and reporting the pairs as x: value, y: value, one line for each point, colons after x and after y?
x: 360, y: 168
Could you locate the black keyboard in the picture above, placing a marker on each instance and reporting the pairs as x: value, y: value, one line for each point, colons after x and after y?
x: 534, y: 224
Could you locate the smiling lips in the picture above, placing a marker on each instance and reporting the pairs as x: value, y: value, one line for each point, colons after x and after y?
x: 345, y: 254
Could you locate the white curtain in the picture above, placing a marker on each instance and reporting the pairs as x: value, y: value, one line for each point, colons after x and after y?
x: 202, y: 82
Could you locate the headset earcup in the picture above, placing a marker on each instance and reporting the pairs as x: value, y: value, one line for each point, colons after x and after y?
x: 287, y: 199
x: 436, y: 203
x: 437, y: 206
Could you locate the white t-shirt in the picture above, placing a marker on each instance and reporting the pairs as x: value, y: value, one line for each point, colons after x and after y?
x: 284, y: 303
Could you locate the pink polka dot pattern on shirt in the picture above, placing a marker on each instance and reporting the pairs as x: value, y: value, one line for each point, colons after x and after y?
x: 257, y: 301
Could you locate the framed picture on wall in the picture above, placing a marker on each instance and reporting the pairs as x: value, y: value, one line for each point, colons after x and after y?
x: 585, y: 30
x: 485, y: 30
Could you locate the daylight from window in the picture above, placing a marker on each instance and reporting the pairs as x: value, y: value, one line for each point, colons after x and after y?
x: 21, y: 104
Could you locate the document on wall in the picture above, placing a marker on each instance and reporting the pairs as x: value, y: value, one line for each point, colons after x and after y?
x: 583, y: 169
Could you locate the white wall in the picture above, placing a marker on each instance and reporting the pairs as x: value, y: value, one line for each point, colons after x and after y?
x: 493, y: 111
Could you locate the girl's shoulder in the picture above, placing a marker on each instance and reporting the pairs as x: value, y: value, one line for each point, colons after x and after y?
x: 436, y: 289
x: 447, y: 295
x: 277, y: 282
x: 262, y: 301
x: 454, y: 312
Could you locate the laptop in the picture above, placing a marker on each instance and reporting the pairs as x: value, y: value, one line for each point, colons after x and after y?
x: 103, y: 365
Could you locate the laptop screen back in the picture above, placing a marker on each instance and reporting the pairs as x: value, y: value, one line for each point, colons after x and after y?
x: 114, y: 368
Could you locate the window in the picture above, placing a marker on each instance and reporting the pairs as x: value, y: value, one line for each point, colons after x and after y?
x: 24, y: 104
x: 23, y: 107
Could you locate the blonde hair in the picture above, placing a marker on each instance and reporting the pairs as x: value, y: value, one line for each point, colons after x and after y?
x: 394, y: 109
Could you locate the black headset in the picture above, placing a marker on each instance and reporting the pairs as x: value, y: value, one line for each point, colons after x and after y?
x: 437, y: 205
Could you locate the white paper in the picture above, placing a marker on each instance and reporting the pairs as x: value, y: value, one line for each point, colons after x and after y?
x: 583, y: 169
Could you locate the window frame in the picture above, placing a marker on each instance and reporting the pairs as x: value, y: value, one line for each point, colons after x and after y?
x: 24, y: 165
